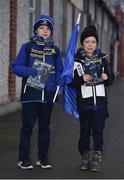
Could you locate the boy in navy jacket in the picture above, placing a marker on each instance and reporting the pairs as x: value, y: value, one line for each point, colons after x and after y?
x: 36, y: 103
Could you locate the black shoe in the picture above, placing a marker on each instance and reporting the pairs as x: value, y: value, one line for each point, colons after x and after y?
x: 25, y: 165
x: 96, y: 161
x: 45, y: 164
x: 85, y: 160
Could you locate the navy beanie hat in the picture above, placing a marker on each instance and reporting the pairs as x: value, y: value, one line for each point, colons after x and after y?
x: 89, y: 31
x: 43, y: 20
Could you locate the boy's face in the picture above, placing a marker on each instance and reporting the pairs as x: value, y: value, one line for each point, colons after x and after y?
x: 90, y: 45
x: 44, y: 31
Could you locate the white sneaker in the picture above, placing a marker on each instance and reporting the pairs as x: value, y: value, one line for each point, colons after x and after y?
x: 44, y: 164
x: 25, y: 165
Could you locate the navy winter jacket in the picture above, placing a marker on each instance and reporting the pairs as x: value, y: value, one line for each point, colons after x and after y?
x: 23, y: 67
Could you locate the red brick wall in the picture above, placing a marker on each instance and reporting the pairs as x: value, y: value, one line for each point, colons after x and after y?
x: 12, y: 49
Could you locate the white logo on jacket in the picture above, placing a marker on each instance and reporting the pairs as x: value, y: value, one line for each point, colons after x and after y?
x: 79, y: 68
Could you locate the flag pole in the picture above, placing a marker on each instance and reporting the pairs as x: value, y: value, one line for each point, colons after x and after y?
x: 57, y: 90
x: 78, y: 19
x: 58, y: 87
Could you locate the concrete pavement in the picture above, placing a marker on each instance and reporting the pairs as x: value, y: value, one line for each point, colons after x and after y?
x: 63, y: 150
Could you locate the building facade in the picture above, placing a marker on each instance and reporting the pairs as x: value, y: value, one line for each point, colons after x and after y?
x: 16, y: 19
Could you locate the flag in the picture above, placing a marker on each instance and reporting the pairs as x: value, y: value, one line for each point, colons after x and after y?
x: 67, y: 74
x: 69, y: 94
x: 69, y: 102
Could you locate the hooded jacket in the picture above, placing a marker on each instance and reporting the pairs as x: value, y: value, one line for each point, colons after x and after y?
x: 94, y: 94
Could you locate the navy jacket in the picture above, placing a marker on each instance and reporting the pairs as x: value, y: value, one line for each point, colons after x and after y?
x: 95, y: 94
x: 22, y: 67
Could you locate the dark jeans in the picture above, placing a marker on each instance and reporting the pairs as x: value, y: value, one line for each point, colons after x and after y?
x: 30, y: 113
x: 91, y: 125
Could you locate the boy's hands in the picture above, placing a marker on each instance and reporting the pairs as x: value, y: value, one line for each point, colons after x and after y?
x: 87, y: 77
x: 104, y: 76
x: 32, y: 72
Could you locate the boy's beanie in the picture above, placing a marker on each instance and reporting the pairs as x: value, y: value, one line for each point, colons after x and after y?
x: 43, y: 20
x: 89, y: 31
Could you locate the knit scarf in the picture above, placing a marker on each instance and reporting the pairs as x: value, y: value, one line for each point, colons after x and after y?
x: 41, y: 41
x: 85, y: 56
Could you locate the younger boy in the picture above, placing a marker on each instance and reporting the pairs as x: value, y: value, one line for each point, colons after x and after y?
x: 91, y: 76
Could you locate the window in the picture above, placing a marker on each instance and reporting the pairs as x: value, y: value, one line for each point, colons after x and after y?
x: 31, y: 16
x: 86, y: 6
x: 35, y: 11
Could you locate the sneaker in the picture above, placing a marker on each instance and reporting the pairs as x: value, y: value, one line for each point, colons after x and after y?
x: 96, y: 161
x: 44, y: 164
x: 25, y: 165
x: 85, y: 160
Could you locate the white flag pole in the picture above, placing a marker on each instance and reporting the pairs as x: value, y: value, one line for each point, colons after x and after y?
x: 78, y: 19
x: 57, y: 90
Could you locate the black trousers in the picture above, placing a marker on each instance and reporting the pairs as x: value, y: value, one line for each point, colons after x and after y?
x: 30, y: 113
x: 92, y: 123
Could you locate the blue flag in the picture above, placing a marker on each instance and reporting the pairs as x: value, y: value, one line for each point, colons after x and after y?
x: 69, y: 102
x: 69, y: 94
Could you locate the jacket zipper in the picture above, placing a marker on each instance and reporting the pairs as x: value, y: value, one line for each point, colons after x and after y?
x: 94, y: 94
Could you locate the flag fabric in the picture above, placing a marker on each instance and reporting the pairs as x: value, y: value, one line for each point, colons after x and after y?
x: 67, y: 74
x: 69, y: 94
x: 69, y: 102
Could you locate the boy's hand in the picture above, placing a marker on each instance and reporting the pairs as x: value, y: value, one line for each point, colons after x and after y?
x: 104, y: 76
x: 32, y: 72
x: 87, y: 77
